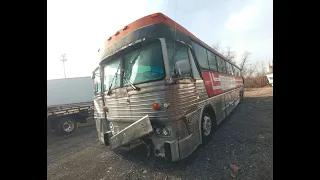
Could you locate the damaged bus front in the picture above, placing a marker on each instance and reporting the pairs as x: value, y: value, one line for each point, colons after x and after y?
x: 139, y: 102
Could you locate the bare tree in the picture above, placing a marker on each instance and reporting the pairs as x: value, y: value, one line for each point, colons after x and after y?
x: 230, y: 55
x: 261, y: 68
x: 244, y: 63
x: 216, y: 46
x: 251, y: 69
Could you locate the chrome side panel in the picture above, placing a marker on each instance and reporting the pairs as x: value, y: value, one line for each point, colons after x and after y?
x: 218, y: 103
x: 193, y: 117
x: 220, y: 107
x: 222, y: 104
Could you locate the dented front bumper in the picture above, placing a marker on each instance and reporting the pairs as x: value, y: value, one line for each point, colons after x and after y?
x: 136, y: 130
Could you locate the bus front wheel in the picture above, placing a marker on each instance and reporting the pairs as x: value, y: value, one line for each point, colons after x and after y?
x: 208, y: 125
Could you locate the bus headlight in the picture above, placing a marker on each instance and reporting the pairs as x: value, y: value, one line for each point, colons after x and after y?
x: 111, y: 128
x: 165, y: 131
x: 158, y: 131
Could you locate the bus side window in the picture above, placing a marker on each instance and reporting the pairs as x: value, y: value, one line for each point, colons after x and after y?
x: 229, y: 68
x: 201, y: 54
x: 221, y: 65
x: 195, y: 70
x: 234, y: 70
x: 212, y: 61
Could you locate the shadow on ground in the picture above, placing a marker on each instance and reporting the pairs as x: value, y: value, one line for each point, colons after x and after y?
x: 244, y: 138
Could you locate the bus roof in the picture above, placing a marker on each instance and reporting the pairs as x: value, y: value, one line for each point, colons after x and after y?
x: 145, y: 21
x: 155, y: 18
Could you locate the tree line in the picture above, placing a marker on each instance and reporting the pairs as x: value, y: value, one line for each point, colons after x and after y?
x: 247, y: 67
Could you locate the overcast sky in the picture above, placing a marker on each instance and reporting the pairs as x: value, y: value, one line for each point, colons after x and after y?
x: 79, y: 27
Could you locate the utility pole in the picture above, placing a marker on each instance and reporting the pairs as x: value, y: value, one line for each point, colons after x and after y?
x: 63, y: 59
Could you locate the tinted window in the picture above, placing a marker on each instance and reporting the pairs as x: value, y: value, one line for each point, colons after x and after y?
x: 180, y: 52
x: 221, y: 65
x: 201, y: 55
x: 212, y: 61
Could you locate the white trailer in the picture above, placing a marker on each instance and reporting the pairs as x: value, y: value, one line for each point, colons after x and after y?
x: 270, y: 78
x: 69, y: 101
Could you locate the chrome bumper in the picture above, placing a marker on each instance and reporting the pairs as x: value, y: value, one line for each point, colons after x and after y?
x: 136, y: 130
x: 181, y: 149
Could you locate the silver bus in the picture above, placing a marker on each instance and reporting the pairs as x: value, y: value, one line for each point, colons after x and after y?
x: 158, y: 84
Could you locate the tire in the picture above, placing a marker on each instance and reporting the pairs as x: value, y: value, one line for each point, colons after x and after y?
x: 207, y: 119
x: 66, y: 125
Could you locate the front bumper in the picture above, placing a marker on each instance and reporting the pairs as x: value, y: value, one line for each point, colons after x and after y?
x: 135, y: 131
x: 172, y: 149
x: 177, y: 150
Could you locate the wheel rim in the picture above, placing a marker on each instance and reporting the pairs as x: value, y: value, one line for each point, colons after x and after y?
x: 68, y: 126
x: 206, y: 125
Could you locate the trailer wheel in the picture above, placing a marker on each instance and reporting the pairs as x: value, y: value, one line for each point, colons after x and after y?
x: 208, y: 125
x: 66, y: 125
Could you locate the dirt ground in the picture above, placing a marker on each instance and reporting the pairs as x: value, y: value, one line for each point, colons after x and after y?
x: 245, y: 139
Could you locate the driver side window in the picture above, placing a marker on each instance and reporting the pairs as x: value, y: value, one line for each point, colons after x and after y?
x: 176, y: 52
x: 97, y: 82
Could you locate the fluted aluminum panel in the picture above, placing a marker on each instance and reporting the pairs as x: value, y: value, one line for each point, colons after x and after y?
x: 126, y: 105
x: 99, y: 116
x: 98, y: 107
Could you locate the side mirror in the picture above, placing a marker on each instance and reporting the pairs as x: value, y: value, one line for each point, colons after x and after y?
x: 93, y: 75
x: 182, y: 67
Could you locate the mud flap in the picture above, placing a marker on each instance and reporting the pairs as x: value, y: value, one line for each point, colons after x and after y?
x: 136, y: 130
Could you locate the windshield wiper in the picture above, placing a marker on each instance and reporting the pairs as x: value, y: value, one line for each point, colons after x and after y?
x: 132, y: 85
x: 115, y: 76
x: 133, y: 61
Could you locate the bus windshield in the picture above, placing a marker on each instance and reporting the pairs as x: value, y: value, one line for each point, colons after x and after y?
x: 144, y: 63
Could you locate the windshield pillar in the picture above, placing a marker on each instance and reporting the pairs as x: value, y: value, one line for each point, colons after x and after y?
x: 165, y: 58
x: 121, y: 71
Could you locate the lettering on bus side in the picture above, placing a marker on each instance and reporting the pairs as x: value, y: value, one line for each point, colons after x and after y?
x: 218, y: 83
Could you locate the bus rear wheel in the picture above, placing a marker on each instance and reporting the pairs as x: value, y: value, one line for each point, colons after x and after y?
x: 208, y: 126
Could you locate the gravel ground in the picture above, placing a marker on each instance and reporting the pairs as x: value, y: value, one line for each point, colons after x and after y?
x: 244, y: 139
